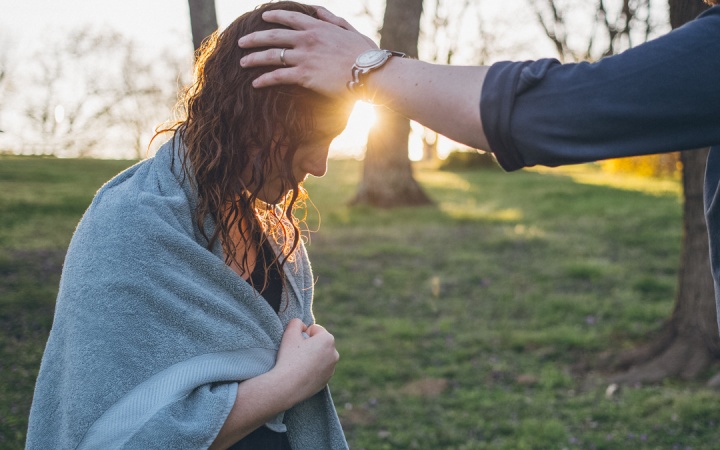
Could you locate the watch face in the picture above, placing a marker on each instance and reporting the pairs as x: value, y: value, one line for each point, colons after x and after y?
x: 371, y: 58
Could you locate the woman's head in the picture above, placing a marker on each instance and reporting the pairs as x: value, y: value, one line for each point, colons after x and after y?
x: 250, y: 147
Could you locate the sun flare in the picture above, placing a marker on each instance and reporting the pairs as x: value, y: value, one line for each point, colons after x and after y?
x: 351, y: 142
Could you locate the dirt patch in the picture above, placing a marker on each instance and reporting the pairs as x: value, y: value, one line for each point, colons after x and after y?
x: 356, y: 416
x: 425, y: 387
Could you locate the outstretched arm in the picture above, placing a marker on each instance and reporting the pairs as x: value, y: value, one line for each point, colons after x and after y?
x: 320, y: 55
x: 653, y: 98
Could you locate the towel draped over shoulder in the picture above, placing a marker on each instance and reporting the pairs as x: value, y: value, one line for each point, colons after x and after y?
x: 153, y: 331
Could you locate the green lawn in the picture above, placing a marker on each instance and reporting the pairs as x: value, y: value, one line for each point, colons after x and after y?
x: 472, y: 324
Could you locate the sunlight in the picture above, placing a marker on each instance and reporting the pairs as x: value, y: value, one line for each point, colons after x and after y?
x: 482, y: 213
x: 592, y: 174
x: 351, y: 142
x: 415, y: 144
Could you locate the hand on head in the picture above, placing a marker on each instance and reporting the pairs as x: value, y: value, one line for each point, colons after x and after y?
x: 319, y: 54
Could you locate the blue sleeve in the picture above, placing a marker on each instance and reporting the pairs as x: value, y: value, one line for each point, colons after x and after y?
x: 661, y: 96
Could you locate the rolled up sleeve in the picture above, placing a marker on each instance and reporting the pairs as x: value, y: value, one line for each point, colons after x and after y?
x: 661, y: 96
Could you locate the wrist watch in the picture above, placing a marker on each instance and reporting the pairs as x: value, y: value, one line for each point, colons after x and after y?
x: 365, y: 63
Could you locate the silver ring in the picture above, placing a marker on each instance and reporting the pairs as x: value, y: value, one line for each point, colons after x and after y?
x: 282, y: 57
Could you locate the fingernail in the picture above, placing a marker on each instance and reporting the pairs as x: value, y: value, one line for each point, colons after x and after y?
x: 242, y: 62
x: 255, y: 83
x: 241, y: 41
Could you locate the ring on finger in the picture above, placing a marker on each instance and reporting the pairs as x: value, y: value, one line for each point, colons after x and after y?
x: 282, y: 57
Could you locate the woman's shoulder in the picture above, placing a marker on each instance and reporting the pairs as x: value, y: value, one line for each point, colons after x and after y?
x: 142, y: 176
x: 142, y: 198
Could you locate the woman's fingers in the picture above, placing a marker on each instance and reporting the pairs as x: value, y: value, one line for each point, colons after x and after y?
x: 315, y: 329
x: 295, y: 327
x: 306, y: 361
x: 320, y: 332
x: 327, y: 341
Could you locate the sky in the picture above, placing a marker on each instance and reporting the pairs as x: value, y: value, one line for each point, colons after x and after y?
x: 29, y: 22
x: 27, y: 25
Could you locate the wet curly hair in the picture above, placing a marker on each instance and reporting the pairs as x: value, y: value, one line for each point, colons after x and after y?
x: 223, y: 121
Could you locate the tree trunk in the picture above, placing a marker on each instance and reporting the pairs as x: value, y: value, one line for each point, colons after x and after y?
x: 387, y: 172
x: 689, y: 341
x: 203, y: 20
x: 695, y: 313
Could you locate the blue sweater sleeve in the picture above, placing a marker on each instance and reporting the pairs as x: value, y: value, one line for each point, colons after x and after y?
x: 658, y: 97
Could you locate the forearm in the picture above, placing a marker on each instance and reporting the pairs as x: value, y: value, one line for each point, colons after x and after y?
x: 258, y: 400
x: 443, y: 98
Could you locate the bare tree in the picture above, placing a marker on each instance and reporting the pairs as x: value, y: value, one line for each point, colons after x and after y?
x: 69, y: 108
x: 5, y: 85
x: 454, y: 32
x: 145, y: 93
x: 614, y: 26
x: 688, y: 342
x: 3, y: 74
x: 441, y: 39
x: 94, y: 93
x: 387, y: 172
x: 203, y: 20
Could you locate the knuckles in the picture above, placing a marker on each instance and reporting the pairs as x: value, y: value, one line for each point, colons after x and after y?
x: 304, y: 79
x: 312, y: 38
x: 272, y: 34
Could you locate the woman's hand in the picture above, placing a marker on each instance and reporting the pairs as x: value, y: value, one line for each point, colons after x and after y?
x: 307, y: 362
x: 319, y: 54
x: 303, y: 367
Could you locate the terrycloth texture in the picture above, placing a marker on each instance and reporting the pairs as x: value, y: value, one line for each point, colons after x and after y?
x: 152, y: 331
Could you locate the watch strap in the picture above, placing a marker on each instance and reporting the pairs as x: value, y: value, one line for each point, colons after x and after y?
x: 357, y: 85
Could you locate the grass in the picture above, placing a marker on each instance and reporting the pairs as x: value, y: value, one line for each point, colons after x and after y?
x: 470, y: 324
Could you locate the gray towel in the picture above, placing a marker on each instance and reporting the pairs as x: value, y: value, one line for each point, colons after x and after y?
x: 152, y: 331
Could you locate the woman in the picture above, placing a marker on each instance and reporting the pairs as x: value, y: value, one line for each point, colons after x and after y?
x: 184, y: 315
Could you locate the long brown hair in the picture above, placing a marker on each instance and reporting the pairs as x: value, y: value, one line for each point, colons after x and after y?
x: 224, y: 122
